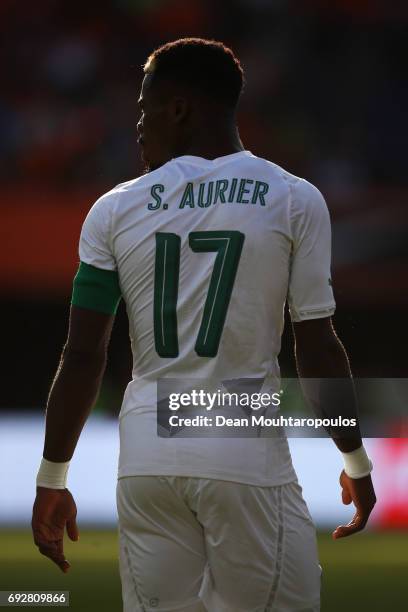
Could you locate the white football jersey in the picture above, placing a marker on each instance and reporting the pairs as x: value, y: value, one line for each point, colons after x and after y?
x: 208, y: 252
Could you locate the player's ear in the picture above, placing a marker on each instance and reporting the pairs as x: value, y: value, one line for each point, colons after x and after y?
x: 180, y: 109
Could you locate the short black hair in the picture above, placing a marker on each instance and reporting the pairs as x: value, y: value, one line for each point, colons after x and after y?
x: 208, y: 66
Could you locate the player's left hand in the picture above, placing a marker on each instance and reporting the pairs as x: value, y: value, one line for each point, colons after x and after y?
x: 53, y: 511
x: 360, y: 491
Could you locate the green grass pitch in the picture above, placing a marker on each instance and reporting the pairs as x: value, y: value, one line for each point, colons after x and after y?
x: 366, y: 573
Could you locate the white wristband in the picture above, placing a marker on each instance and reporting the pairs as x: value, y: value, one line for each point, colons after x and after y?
x: 52, y: 475
x: 357, y: 464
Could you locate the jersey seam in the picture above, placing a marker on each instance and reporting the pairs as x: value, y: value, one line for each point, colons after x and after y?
x: 289, y: 212
x: 297, y: 317
x: 289, y: 208
x: 317, y: 307
x: 111, y: 209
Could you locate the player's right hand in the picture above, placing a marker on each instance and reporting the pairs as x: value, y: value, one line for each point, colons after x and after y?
x: 53, y: 511
x: 360, y: 491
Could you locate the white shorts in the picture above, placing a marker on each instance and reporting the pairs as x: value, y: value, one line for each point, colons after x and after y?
x: 196, y: 545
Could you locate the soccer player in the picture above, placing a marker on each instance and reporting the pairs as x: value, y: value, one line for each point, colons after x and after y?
x: 205, y: 248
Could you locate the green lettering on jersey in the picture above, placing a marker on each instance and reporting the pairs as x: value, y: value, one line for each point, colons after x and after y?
x: 232, y: 190
x: 166, y: 281
x: 188, y: 196
x: 242, y: 190
x: 221, y: 187
x: 228, y: 246
x: 261, y: 189
x: 154, y: 192
x: 201, y: 189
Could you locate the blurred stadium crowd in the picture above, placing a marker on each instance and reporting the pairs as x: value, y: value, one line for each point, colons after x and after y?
x: 326, y: 88
x: 326, y: 98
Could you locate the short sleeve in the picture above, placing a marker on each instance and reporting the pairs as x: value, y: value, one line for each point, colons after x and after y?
x: 310, y: 294
x: 95, y: 241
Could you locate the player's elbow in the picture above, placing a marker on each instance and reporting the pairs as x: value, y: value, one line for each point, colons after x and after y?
x: 318, y: 350
x: 322, y: 360
x: 315, y: 336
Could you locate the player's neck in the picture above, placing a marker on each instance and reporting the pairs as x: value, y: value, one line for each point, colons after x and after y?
x: 214, y: 141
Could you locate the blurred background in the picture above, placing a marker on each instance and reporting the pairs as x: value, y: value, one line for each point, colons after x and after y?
x: 326, y: 98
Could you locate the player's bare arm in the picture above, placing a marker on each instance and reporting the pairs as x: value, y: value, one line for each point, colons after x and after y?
x: 73, y: 393
x: 320, y: 355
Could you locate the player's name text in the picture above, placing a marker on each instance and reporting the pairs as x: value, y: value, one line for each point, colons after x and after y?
x: 223, y: 191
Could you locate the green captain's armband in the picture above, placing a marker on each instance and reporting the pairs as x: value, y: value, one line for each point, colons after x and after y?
x: 96, y: 289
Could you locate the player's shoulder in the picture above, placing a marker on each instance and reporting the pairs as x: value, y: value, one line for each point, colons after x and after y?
x: 131, y: 189
x: 303, y: 196
x: 142, y: 182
